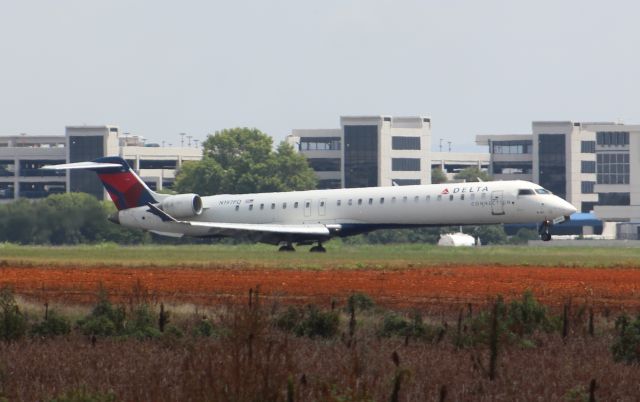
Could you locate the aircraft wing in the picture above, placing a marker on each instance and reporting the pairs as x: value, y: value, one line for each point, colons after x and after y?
x: 261, y: 231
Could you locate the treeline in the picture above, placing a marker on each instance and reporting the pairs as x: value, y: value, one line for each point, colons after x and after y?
x: 71, y: 218
x: 78, y: 218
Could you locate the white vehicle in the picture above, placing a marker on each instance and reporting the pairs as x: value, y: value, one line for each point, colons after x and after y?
x: 315, y: 216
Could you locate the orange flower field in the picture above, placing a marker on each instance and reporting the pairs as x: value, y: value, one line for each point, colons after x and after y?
x: 415, y: 286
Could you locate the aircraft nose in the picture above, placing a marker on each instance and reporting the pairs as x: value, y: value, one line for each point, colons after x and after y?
x: 566, y: 208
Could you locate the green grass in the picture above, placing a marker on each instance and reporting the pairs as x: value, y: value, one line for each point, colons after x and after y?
x: 338, y: 256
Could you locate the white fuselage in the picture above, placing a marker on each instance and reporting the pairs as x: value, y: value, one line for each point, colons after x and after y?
x: 361, y: 209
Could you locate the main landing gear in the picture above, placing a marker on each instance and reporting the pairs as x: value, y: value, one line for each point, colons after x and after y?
x: 287, y: 247
x: 318, y: 249
x: 544, y: 230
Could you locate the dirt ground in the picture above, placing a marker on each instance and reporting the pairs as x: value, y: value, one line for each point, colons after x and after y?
x: 411, y: 287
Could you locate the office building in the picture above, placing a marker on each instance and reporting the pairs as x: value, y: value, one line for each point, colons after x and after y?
x: 22, y: 156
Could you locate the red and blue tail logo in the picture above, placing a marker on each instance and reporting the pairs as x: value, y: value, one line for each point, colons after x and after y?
x: 125, y: 188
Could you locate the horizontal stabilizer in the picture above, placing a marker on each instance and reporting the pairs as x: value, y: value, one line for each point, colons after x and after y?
x: 83, y: 165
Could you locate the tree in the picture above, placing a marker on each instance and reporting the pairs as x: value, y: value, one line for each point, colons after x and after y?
x: 438, y: 176
x: 472, y: 174
x: 242, y: 160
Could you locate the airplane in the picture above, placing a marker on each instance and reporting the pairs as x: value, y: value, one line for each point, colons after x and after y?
x: 315, y: 216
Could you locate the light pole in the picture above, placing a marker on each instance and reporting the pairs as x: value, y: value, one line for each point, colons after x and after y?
x: 182, y: 139
x: 441, y: 144
x: 189, y: 137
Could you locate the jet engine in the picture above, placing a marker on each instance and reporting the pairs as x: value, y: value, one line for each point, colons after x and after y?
x: 182, y: 205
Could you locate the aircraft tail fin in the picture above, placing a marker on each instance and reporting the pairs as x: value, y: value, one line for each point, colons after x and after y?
x: 125, y: 187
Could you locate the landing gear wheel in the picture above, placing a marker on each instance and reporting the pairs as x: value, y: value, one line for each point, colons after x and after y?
x: 544, y: 231
x: 287, y: 248
x: 318, y: 249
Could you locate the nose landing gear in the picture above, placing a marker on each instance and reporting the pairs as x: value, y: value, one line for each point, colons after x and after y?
x: 544, y: 231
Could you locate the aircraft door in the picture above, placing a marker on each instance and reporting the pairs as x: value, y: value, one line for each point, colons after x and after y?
x: 322, y: 207
x: 307, y: 208
x: 497, y: 202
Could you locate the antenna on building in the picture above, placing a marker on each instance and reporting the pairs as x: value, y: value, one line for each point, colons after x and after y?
x: 182, y: 139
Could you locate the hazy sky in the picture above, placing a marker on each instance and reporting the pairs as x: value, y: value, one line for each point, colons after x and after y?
x: 157, y: 68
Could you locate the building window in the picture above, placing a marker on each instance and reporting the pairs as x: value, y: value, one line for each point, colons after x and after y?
x: 157, y: 164
x: 405, y: 164
x: 405, y: 143
x: 588, y: 147
x: 587, y: 207
x: 612, y: 138
x: 613, y: 168
x: 361, y: 156
x: 329, y: 183
x: 614, y: 199
x: 588, y: 167
x: 406, y: 182
x: 587, y: 187
x: 325, y: 164
x: 512, y: 147
x: 320, y: 144
x: 512, y: 167
x: 551, y: 154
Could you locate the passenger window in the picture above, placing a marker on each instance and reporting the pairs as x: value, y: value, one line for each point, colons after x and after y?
x: 339, y: 202
x: 472, y: 197
x: 404, y: 199
x: 382, y: 200
x: 250, y: 207
x: 273, y: 206
x: 350, y: 202
x: 261, y: 206
x: 393, y: 200
x: 359, y: 201
x: 451, y: 197
x: 307, y: 204
x: 237, y: 207
x: 416, y: 198
x: 439, y: 197
x: 428, y: 198
x: 483, y: 196
x: 370, y: 201
x: 322, y: 203
x: 284, y: 205
x: 295, y: 204
x: 461, y: 197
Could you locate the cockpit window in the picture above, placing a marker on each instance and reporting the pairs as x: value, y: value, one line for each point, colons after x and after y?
x: 526, y: 191
x: 542, y: 191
